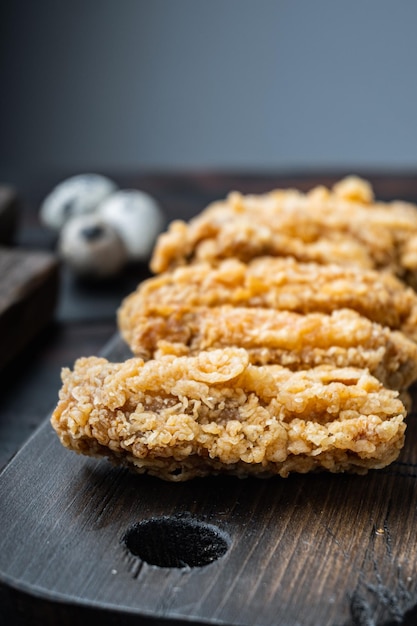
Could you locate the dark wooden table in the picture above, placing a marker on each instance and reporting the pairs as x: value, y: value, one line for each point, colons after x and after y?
x: 85, y: 317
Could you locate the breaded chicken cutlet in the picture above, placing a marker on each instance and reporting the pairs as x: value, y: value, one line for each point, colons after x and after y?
x: 276, y: 339
x: 295, y: 341
x: 343, y: 226
x: 181, y: 417
x: 281, y: 284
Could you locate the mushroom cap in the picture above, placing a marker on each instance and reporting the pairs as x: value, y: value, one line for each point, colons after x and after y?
x: 138, y: 219
x: 91, y: 247
x: 74, y: 196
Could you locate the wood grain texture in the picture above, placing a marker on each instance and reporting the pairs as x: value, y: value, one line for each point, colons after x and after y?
x: 334, y: 550
x: 28, y: 294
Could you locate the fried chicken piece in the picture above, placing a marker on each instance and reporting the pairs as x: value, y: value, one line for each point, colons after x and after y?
x: 282, y: 284
x: 295, y: 341
x: 181, y: 417
x: 342, y: 226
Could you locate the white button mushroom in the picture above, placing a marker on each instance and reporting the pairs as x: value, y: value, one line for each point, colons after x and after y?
x: 91, y: 247
x: 74, y: 196
x: 138, y: 219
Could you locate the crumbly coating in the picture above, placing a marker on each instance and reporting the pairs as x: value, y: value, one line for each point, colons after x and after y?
x: 296, y: 341
x: 342, y: 226
x: 276, y: 283
x: 273, y: 343
x: 180, y: 417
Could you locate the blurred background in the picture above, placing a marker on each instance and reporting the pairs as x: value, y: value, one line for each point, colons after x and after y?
x: 280, y: 85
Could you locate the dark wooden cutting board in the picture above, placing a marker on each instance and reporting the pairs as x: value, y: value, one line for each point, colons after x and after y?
x: 313, y: 550
x: 29, y: 284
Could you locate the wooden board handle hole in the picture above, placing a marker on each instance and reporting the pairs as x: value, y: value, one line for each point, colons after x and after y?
x: 176, y: 542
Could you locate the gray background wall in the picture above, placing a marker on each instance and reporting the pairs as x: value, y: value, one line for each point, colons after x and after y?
x: 172, y: 84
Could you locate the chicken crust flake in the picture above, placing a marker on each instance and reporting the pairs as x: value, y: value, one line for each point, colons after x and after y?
x: 182, y: 417
x: 279, y: 284
x: 342, y: 225
x: 296, y: 341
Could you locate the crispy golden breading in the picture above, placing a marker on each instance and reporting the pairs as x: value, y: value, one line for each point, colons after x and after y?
x: 282, y: 284
x: 180, y: 417
x: 273, y: 342
x: 342, y: 226
x: 295, y: 341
